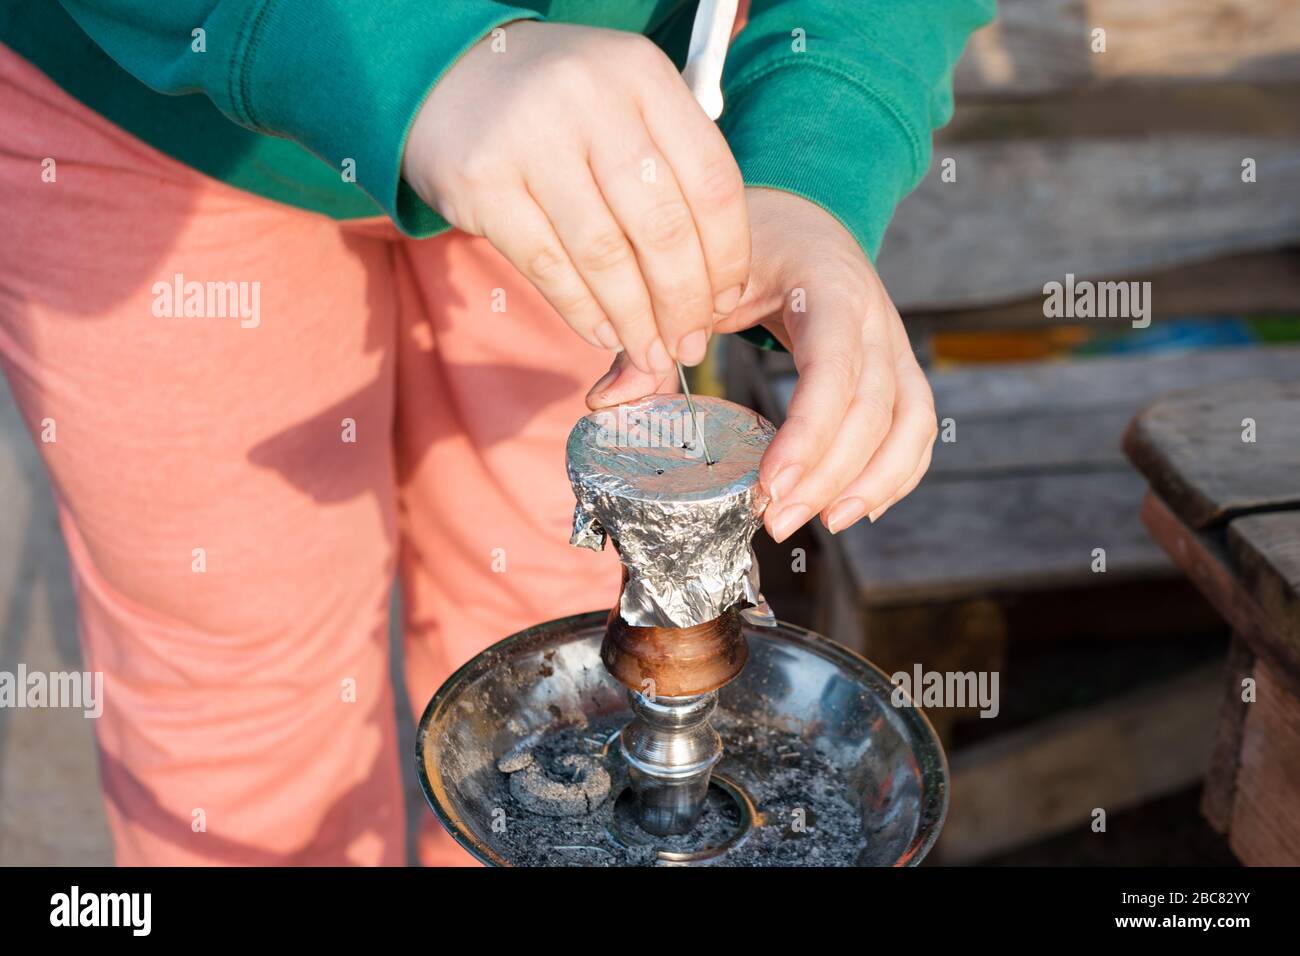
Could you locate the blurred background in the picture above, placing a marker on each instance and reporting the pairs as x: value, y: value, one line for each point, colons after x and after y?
x: 1163, y: 150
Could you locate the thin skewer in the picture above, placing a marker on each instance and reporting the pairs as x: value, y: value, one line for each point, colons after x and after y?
x: 695, y: 419
x: 710, y: 34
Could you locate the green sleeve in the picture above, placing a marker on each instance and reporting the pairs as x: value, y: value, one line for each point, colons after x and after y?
x: 836, y: 100
x: 344, y: 78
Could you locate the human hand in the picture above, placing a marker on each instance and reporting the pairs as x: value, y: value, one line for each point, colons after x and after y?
x: 580, y: 154
x: 861, y: 425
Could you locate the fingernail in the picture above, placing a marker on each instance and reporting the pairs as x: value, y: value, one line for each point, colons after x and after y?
x: 844, y: 514
x: 659, y: 359
x: 605, y: 382
x: 691, y: 349
x: 785, y: 481
x: 607, y: 336
x: 788, y: 520
x: 725, y: 303
x: 877, y: 513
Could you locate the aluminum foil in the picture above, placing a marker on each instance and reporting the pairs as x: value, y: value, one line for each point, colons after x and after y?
x: 682, y: 528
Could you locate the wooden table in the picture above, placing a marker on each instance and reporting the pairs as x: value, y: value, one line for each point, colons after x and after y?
x: 1223, y: 468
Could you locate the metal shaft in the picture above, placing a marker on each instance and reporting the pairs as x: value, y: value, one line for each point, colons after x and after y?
x: 695, y: 418
x: 670, y: 749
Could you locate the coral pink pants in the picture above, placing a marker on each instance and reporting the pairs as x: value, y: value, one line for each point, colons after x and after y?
x: 236, y: 494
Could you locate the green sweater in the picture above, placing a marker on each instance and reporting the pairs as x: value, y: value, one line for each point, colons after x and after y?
x: 833, y: 100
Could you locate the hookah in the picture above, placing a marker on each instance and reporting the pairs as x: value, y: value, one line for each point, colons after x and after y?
x: 685, y: 725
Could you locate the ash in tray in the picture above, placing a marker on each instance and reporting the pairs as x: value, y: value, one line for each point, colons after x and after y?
x: 565, y: 802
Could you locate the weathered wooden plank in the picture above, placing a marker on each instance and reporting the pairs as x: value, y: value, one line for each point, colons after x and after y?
x: 1220, y: 790
x: 1029, y: 440
x: 1032, y: 416
x: 1092, y: 384
x: 1046, y: 46
x: 1075, y: 441
x: 1223, y: 451
x: 1265, y: 551
x: 951, y: 540
x: 1039, y: 781
x: 1204, y: 558
x: 1103, y: 382
x: 1024, y: 213
x: 1227, y: 109
x: 963, y: 636
x: 1265, y: 828
x: 1253, y: 283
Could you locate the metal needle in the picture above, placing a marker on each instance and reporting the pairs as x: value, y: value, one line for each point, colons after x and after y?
x: 710, y: 34
x: 695, y: 419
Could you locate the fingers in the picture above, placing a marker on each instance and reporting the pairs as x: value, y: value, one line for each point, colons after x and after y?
x: 900, y: 461
x: 624, y: 382
x: 850, y: 459
x: 519, y: 229
x: 599, y: 252
x: 907, y: 487
x: 645, y: 198
x: 635, y: 235
x: 833, y: 361
x: 711, y: 182
x: 839, y: 449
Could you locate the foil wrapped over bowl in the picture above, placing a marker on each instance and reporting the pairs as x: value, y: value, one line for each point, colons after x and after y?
x: 682, y: 527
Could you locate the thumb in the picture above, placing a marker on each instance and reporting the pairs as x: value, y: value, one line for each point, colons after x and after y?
x: 624, y: 382
x: 764, y: 304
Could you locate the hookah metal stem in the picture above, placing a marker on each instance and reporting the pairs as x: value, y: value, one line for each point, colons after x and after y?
x: 695, y: 419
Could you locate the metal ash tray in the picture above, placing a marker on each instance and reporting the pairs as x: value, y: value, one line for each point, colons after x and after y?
x: 819, y: 767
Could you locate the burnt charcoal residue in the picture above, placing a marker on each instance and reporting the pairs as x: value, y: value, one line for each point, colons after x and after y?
x: 807, y: 813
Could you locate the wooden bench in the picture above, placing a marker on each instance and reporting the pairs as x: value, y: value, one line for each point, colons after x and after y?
x: 1227, y: 510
